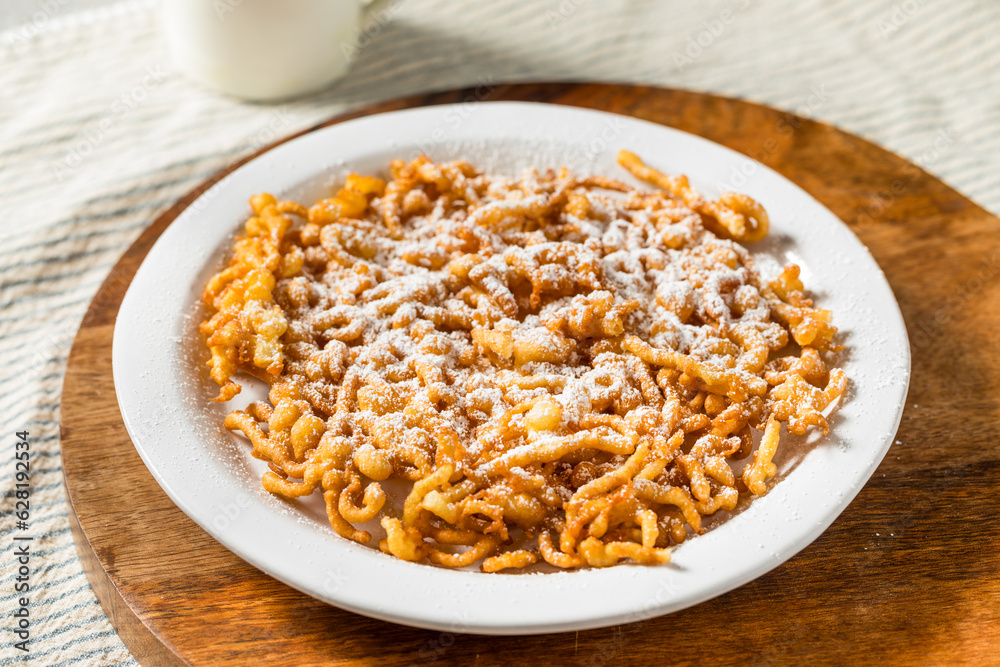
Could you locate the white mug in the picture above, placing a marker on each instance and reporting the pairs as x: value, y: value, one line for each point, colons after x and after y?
x: 271, y: 49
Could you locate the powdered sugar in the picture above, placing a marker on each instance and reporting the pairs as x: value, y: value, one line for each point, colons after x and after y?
x: 545, y: 290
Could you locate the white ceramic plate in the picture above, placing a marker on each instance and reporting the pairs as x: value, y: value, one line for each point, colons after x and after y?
x: 163, y: 390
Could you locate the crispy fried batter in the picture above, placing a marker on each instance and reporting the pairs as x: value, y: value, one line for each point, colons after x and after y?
x: 563, y: 369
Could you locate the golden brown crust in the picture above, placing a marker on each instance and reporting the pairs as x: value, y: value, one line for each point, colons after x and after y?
x: 563, y: 369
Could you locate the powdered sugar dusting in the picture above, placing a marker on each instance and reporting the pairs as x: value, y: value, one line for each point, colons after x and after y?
x: 393, y: 311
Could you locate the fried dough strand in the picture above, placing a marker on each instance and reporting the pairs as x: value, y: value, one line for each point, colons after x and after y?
x: 562, y: 369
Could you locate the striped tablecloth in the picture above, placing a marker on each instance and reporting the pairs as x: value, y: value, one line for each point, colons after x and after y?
x: 98, y: 135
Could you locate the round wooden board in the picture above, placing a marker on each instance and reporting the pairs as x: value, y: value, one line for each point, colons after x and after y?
x: 907, y: 574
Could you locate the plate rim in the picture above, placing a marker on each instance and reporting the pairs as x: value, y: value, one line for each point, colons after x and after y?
x: 735, y: 579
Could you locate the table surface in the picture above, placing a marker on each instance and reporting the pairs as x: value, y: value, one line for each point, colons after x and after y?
x: 101, y: 134
x: 906, y: 574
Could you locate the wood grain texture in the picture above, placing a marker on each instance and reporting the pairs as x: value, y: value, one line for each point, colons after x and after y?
x: 907, y: 574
